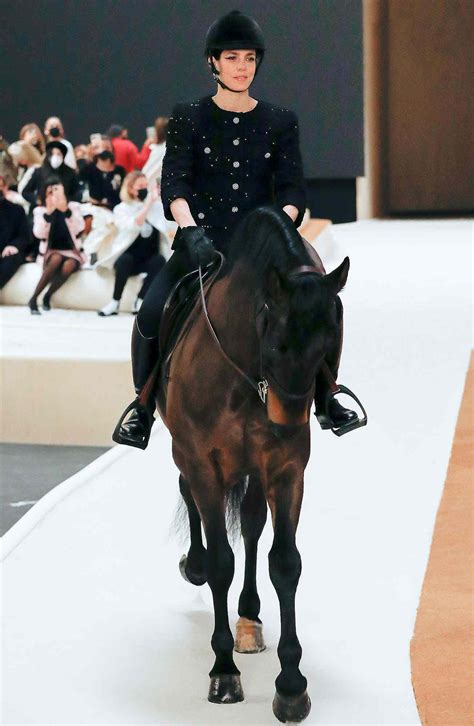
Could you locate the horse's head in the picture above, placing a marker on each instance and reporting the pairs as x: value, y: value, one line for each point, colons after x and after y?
x: 297, y: 325
x: 297, y: 311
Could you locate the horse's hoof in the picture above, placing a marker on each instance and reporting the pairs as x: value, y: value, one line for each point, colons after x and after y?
x: 225, y: 688
x: 291, y: 709
x: 196, y: 578
x: 249, y: 636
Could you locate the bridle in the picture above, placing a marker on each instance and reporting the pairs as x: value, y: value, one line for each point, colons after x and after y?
x: 261, y: 385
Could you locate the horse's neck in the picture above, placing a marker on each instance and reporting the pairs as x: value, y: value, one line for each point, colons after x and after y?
x: 232, y: 308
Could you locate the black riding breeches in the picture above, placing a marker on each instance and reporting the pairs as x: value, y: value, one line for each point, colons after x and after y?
x: 128, y: 265
x: 149, y: 316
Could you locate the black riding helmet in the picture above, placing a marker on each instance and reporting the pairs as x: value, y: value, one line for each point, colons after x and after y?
x: 234, y: 31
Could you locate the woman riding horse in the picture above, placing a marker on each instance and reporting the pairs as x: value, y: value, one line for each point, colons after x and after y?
x: 226, y: 155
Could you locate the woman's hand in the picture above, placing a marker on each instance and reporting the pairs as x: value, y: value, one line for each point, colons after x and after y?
x: 50, y: 203
x: 9, y: 250
x: 291, y: 211
x: 153, y: 195
x: 60, y: 198
x: 150, y: 199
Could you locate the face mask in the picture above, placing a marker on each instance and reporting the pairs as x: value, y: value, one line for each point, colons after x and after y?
x: 54, y: 132
x: 142, y: 194
x: 1, y: 195
x: 55, y: 161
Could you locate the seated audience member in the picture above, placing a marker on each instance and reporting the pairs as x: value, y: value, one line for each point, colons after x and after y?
x: 104, y: 180
x: 125, y: 152
x: 14, y: 231
x: 57, y: 223
x: 81, y: 152
x: 136, y: 246
x: 27, y: 158
x: 53, y: 165
x: 54, y: 131
x: 99, y: 143
x: 154, y: 164
x: 31, y: 134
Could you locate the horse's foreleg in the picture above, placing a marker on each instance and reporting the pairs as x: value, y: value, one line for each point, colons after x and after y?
x: 253, y: 515
x: 225, y: 684
x: 291, y: 702
x: 193, y: 565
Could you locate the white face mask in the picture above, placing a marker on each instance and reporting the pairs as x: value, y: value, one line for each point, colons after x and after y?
x: 56, y: 161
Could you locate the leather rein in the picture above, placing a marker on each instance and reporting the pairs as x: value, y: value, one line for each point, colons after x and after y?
x: 261, y: 386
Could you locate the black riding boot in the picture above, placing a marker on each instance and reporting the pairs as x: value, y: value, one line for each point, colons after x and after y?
x: 332, y: 414
x: 134, y: 426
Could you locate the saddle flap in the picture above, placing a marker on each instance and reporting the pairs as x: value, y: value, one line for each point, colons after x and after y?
x: 178, y: 307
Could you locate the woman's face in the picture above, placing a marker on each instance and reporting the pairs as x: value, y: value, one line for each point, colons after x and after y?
x: 31, y: 136
x: 140, y: 183
x: 56, y: 191
x: 237, y: 68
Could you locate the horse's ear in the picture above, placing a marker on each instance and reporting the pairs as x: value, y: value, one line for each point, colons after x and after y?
x: 275, y: 287
x: 338, y: 277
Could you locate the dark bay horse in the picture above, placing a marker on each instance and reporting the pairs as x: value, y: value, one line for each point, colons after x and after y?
x: 275, y: 316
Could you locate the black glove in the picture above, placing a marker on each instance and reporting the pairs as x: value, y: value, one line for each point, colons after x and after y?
x: 199, y: 246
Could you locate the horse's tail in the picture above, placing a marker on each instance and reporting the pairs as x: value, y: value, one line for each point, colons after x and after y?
x: 180, y: 526
x: 234, y: 500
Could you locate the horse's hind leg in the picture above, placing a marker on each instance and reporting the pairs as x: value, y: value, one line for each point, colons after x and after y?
x: 253, y: 515
x: 193, y: 565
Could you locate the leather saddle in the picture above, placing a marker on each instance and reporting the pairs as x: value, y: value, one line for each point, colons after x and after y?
x: 178, y: 317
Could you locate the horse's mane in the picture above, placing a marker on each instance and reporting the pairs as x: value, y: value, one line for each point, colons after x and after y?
x: 267, y: 238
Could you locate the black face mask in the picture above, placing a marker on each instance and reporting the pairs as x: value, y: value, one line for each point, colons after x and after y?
x: 142, y: 194
x: 2, y: 195
x: 54, y: 132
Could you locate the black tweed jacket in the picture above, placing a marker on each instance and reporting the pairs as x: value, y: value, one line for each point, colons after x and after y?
x: 226, y: 163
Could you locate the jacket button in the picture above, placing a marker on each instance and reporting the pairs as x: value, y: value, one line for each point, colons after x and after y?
x: 236, y: 164
x: 236, y: 142
x: 235, y: 209
x: 201, y: 215
x: 207, y: 150
x: 235, y: 186
x: 236, y: 119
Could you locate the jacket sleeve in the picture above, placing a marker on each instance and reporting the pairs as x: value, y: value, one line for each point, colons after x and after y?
x: 75, y: 191
x: 30, y: 191
x: 177, y: 172
x: 289, y: 181
x: 77, y: 220
x: 40, y: 225
x: 21, y: 235
x: 143, y: 155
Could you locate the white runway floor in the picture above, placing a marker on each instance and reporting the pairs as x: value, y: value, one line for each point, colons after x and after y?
x: 99, y: 627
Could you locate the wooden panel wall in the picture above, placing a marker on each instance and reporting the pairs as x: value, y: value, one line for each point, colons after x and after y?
x: 430, y: 111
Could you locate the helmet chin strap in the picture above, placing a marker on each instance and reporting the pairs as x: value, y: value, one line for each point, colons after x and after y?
x: 215, y: 75
x: 222, y: 85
